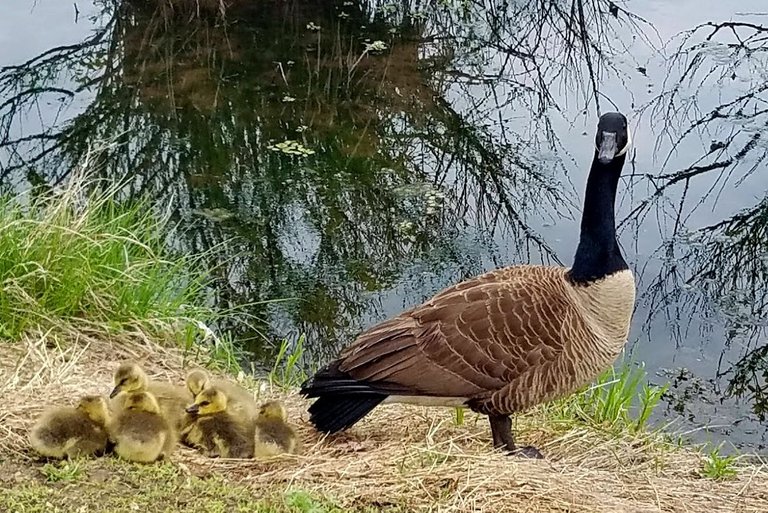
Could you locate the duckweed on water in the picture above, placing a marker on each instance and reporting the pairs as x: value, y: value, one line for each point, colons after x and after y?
x: 376, y: 46
x: 291, y: 147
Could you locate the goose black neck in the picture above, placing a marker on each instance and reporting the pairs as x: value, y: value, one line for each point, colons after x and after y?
x: 598, y: 253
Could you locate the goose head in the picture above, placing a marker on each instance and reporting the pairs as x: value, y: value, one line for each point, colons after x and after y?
x: 94, y: 407
x: 273, y: 410
x: 141, y: 401
x: 129, y: 377
x: 197, y: 381
x: 209, y: 401
x: 612, y: 139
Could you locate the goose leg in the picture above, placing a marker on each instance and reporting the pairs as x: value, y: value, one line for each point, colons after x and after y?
x: 501, y: 430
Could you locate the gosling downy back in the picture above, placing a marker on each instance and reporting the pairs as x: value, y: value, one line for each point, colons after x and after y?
x: 172, y: 399
x: 216, y: 431
x: 139, y: 430
x: 240, y: 401
x: 72, y: 432
x: 273, y: 433
x: 505, y: 340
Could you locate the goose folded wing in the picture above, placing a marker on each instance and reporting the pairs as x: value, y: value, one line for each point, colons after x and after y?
x: 468, y: 340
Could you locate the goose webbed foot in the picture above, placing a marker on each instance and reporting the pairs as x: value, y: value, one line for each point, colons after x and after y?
x: 527, y: 451
x: 501, y: 429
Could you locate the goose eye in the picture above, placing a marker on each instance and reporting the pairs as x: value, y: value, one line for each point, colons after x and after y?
x: 204, y: 403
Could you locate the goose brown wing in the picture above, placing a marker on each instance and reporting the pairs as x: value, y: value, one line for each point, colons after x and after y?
x: 469, y: 339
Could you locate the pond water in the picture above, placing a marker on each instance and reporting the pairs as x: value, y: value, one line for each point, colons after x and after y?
x: 429, y: 144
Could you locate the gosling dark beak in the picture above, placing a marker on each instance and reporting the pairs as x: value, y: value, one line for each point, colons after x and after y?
x: 608, y: 148
x: 193, y: 409
x: 114, y: 392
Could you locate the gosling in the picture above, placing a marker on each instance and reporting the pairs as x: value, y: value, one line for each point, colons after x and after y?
x: 273, y: 434
x: 72, y: 432
x: 172, y: 399
x: 139, y: 431
x: 239, y: 400
x: 215, y: 430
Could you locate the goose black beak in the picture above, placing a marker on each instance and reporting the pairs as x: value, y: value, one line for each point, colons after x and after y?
x: 193, y: 409
x: 608, y: 147
x: 114, y: 392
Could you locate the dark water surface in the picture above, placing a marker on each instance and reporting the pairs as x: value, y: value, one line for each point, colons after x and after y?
x: 431, y: 143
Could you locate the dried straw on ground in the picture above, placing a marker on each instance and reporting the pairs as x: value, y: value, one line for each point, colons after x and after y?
x: 410, y: 457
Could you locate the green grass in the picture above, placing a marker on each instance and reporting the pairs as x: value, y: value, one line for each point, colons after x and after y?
x: 717, y: 466
x: 62, y: 471
x: 458, y: 415
x: 83, y: 260
x: 620, y: 400
x: 111, y: 486
x: 287, y: 371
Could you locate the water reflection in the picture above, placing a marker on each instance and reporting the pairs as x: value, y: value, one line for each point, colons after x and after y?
x: 420, y: 136
x: 714, y: 278
x: 198, y: 110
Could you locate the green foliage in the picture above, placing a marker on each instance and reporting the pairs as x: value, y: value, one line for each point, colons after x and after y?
x: 717, y: 466
x: 108, y: 485
x: 299, y: 501
x: 287, y: 371
x: 458, y: 415
x: 219, y: 353
x: 82, y: 259
x: 67, y: 470
x: 620, y: 400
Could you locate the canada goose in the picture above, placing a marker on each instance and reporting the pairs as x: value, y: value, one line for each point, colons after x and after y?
x: 215, y: 430
x: 130, y: 377
x: 503, y: 341
x: 273, y: 434
x: 138, y: 429
x: 239, y: 400
x: 71, y: 432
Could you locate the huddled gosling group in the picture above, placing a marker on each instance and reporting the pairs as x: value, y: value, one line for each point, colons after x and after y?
x: 144, y: 420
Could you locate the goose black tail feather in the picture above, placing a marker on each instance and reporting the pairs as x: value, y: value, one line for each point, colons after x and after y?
x: 331, y: 414
x: 341, y: 399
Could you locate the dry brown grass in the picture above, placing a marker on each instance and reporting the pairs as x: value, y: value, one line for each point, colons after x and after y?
x: 409, y: 458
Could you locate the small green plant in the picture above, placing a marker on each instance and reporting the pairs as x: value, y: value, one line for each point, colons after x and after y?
x: 287, y: 371
x: 68, y: 470
x: 617, y: 401
x: 717, y: 466
x: 217, y: 352
x: 303, y: 502
x: 458, y: 416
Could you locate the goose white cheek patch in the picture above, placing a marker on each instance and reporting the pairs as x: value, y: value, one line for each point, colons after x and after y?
x: 625, y: 149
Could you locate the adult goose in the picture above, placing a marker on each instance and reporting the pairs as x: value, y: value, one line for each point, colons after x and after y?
x: 503, y: 341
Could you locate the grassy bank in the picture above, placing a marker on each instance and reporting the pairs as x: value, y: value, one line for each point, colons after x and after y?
x: 78, y: 261
x: 88, y: 283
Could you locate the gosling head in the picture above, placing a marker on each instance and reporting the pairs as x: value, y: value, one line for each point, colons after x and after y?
x: 273, y: 410
x: 141, y: 401
x: 197, y: 381
x: 129, y: 377
x: 612, y: 139
x: 94, y: 407
x: 209, y: 401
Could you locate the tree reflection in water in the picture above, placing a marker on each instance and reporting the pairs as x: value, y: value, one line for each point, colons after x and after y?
x: 198, y: 105
x: 716, y: 92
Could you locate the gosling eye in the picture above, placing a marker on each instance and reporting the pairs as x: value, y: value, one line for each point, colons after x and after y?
x: 204, y: 403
